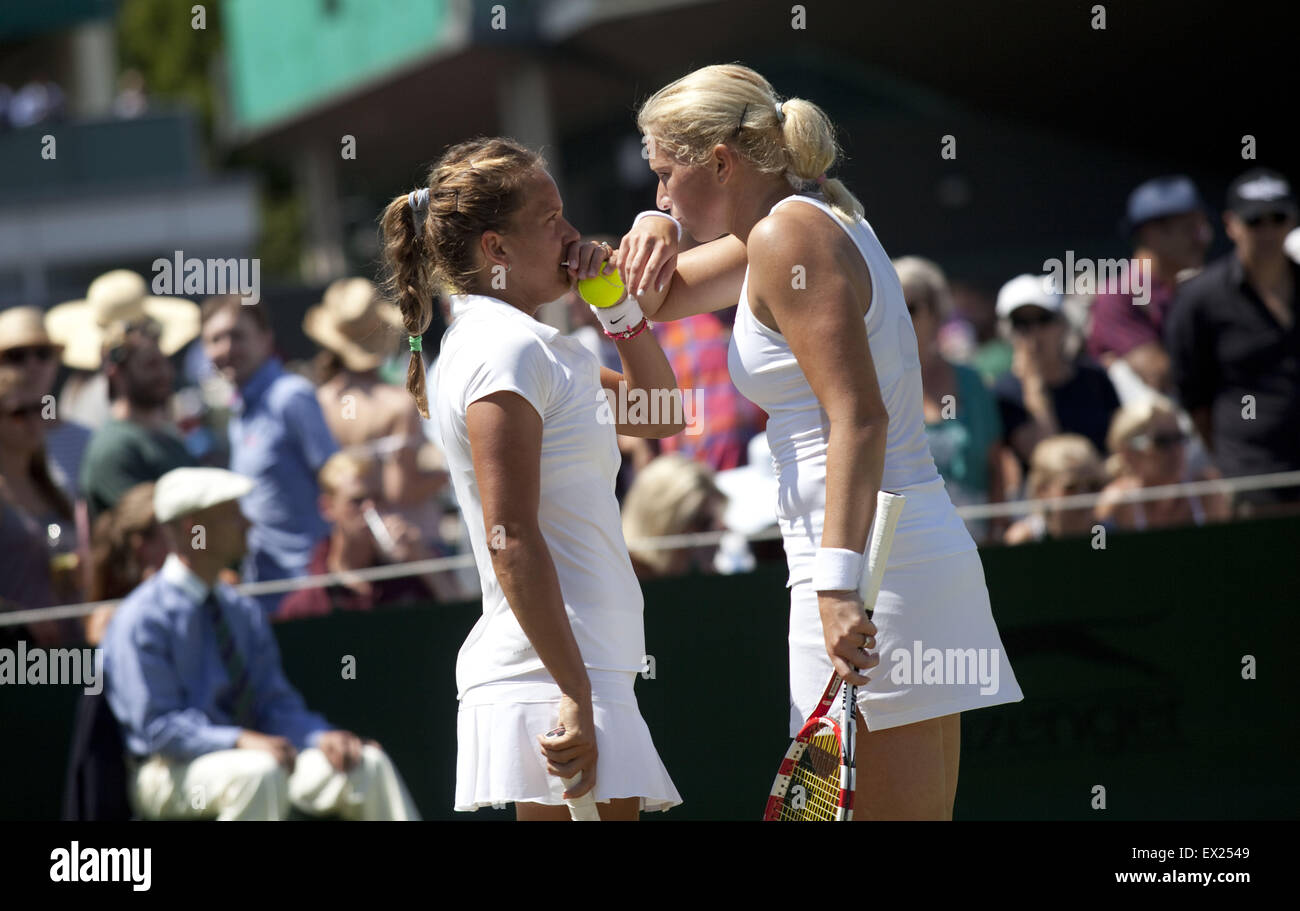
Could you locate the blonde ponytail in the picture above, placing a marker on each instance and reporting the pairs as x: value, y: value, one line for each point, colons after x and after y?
x: 812, y: 151
x: 729, y: 103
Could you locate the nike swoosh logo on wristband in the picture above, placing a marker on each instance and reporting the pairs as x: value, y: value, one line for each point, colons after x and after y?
x: 615, y: 322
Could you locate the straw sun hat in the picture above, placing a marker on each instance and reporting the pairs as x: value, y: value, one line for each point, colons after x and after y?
x: 116, y: 298
x: 353, y: 322
x: 24, y: 327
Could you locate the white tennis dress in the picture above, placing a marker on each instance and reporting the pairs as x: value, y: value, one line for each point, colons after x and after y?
x: 507, y: 697
x: 939, y: 648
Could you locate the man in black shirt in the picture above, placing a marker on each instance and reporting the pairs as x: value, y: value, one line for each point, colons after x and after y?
x: 1234, y: 344
x: 1046, y: 392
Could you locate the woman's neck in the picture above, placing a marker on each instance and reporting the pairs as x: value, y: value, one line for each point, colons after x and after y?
x: 754, y: 204
x: 512, y: 298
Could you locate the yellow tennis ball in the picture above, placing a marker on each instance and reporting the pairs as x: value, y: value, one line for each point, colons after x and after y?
x: 602, y: 290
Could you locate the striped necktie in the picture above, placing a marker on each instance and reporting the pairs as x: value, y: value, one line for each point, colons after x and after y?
x: 238, y: 699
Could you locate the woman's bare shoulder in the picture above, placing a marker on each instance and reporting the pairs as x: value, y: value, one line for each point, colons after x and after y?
x: 800, y: 224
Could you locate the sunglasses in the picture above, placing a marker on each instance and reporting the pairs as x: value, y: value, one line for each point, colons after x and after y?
x: 125, y: 335
x: 38, y: 354
x: 1143, y: 441
x: 1275, y: 219
x: 1088, y: 485
x: 20, y: 412
x: 918, y: 305
x: 1029, y: 323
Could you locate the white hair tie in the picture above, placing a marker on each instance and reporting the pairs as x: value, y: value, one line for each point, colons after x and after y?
x: 780, y: 112
x: 418, y: 200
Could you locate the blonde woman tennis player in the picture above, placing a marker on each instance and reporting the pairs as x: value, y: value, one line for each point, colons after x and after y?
x: 823, y: 342
x: 533, y: 464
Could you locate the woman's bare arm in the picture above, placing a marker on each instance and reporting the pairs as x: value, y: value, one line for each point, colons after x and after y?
x: 505, y: 436
x: 646, y: 372
x: 706, y: 278
x: 821, y: 319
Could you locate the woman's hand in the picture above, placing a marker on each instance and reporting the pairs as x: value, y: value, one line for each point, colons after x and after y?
x: 572, y: 752
x: 586, y: 257
x: 850, y: 635
x: 647, y: 258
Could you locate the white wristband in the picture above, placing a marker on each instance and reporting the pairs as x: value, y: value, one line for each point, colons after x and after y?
x: 620, y: 317
x: 649, y: 212
x: 836, y: 569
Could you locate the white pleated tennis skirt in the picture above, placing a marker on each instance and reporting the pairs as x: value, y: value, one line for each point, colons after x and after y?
x: 940, y: 652
x: 499, y: 761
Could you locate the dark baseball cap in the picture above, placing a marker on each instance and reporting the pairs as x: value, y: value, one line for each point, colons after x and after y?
x: 1259, y: 192
x: 1161, y: 197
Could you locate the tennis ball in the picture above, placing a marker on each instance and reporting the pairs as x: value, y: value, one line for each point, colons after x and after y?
x: 602, y: 290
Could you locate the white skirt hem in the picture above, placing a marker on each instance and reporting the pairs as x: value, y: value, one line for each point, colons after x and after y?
x: 499, y: 760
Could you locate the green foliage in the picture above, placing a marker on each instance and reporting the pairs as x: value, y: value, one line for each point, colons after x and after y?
x: 280, y: 246
x: 157, y: 38
x: 179, y: 63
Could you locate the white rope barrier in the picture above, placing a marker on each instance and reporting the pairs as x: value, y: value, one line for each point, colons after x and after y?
x: 1222, y: 486
x: 1142, y: 494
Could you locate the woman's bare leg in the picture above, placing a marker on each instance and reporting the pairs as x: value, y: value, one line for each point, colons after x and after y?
x: 951, y: 755
x: 621, y: 810
x: 903, y: 772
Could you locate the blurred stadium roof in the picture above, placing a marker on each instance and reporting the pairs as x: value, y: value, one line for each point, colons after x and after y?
x: 1039, y: 99
x: 26, y: 20
x: 299, y: 68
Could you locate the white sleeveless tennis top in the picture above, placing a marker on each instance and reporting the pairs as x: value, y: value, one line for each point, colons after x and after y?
x: 490, y: 347
x: 765, y: 370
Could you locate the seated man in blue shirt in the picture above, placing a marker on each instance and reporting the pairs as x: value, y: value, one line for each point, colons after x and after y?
x: 192, y: 672
x: 278, y: 438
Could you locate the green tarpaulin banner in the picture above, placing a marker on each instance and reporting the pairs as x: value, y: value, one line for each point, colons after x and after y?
x: 1158, y: 676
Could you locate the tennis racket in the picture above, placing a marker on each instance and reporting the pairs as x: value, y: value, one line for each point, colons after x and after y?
x: 817, y: 778
x: 581, y: 809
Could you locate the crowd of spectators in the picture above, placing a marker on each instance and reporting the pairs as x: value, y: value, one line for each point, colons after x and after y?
x: 1167, y: 371
x: 1162, y: 371
x: 343, y: 475
x: 1037, y: 392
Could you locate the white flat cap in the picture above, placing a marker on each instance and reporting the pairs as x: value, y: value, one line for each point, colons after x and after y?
x: 1028, y: 290
x: 182, y: 491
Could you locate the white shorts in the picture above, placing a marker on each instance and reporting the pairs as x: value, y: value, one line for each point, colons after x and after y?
x: 499, y: 761
x: 939, y: 648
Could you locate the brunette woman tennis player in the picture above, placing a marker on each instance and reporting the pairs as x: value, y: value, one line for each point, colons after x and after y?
x: 823, y: 342
x: 533, y: 456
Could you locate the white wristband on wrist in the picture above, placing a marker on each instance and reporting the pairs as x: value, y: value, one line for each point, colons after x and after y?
x: 836, y: 569
x: 620, y: 317
x: 652, y: 212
